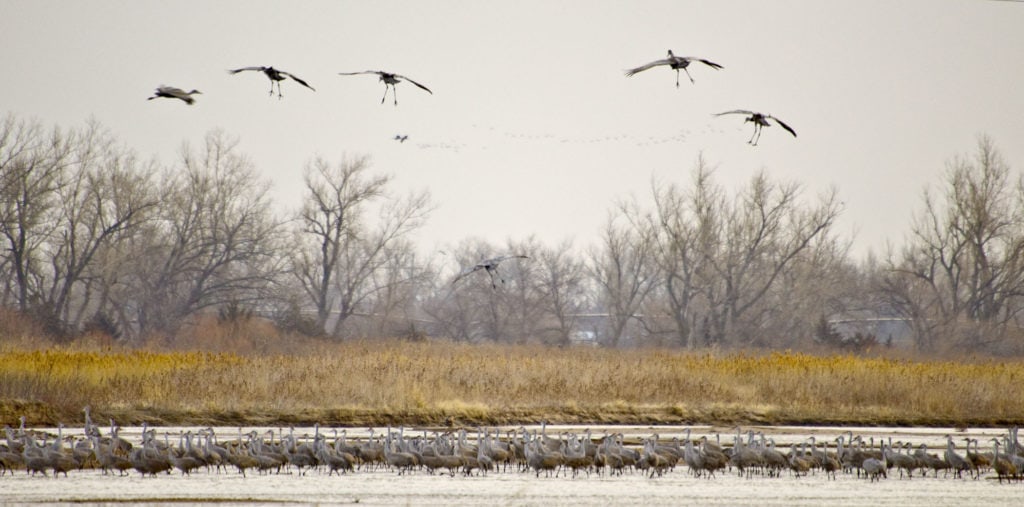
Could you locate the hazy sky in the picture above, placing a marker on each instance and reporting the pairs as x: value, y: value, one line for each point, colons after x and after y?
x: 533, y: 129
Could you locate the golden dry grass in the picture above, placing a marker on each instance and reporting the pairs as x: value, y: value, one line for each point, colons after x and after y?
x: 359, y: 383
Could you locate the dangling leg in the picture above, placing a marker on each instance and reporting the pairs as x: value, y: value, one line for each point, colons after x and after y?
x: 751, y: 140
x: 271, y: 87
x: 758, y: 131
x: 688, y: 75
x: 385, y: 93
x: 394, y: 93
x: 279, y: 91
x: 677, y: 78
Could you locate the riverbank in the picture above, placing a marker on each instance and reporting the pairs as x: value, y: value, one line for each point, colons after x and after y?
x: 443, y: 384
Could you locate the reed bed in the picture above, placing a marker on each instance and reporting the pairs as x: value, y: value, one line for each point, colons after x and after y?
x: 380, y: 382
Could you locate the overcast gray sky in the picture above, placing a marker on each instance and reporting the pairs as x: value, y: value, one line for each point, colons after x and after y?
x: 533, y: 129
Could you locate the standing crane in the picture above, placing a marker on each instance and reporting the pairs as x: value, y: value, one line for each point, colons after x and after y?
x: 275, y: 76
x: 489, y: 265
x: 760, y: 120
x: 171, y: 92
x: 389, y: 79
x: 677, y: 63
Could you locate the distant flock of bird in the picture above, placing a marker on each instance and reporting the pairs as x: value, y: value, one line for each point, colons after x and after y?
x: 390, y: 80
x: 486, y: 450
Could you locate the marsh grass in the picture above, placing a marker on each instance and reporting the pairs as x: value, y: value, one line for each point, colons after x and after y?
x: 381, y: 382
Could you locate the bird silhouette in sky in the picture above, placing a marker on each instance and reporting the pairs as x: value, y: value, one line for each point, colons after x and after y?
x: 275, y: 76
x: 675, y: 62
x: 171, y: 92
x: 488, y: 265
x: 390, y: 80
x: 760, y: 120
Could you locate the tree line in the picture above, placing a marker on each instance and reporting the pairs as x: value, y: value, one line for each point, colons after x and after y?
x: 95, y: 238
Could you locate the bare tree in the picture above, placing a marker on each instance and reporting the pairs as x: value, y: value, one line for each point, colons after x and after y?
x: 518, y: 299
x: 335, y: 196
x: 367, y: 269
x: 32, y: 170
x: 214, y: 241
x: 767, y: 232
x: 688, y: 225
x: 106, y: 193
x: 560, y: 283
x: 339, y: 268
x: 398, y: 285
x: 960, y: 276
x: 623, y: 268
x: 733, y: 269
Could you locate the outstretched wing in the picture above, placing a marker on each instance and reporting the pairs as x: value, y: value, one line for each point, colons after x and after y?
x: 664, y: 61
x: 414, y: 82
x: 296, y: 78
x: 787, y: 127
x: 236, y: 71
x: 377, y: 72
x: 736, y: 111
x: 502, y: 258
x: 466, y: 272
x: 705, y: 62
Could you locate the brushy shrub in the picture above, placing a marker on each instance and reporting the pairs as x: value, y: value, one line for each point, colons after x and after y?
x: 102, y: 324
x: 858, y: 343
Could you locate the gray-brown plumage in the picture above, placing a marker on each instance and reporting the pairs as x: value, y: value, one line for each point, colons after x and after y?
x: 35, y: 463
x: 402, y: 461
x: 108, y: 460
x: 540, y: 459
x: 243, y: 461
x: 9, y: 461
x: 929, y: 460
x: 979, y: 460
x: 340, y: 462
x: 300, y: 460
x: 799, y: 462
x: 875, y: 468
x: 186, y: 464
x: 774, y: 460
x: 957, y: 462
x: 1004, y: 467
x: 149, y: 461
x: 902, y: 462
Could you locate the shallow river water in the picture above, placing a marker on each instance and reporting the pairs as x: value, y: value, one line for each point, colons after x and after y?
x: 677, y: 487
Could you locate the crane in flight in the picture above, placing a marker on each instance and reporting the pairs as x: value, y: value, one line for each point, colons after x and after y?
x: 489, y: 265
x: 171, y: 92
x: 275, y: 76
x: 675, y: 62
x: 389, y: 79
x: 760, y: 120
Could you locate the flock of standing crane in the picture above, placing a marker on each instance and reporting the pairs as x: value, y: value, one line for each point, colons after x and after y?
x: 390, y: 80
x: 486, y: 450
